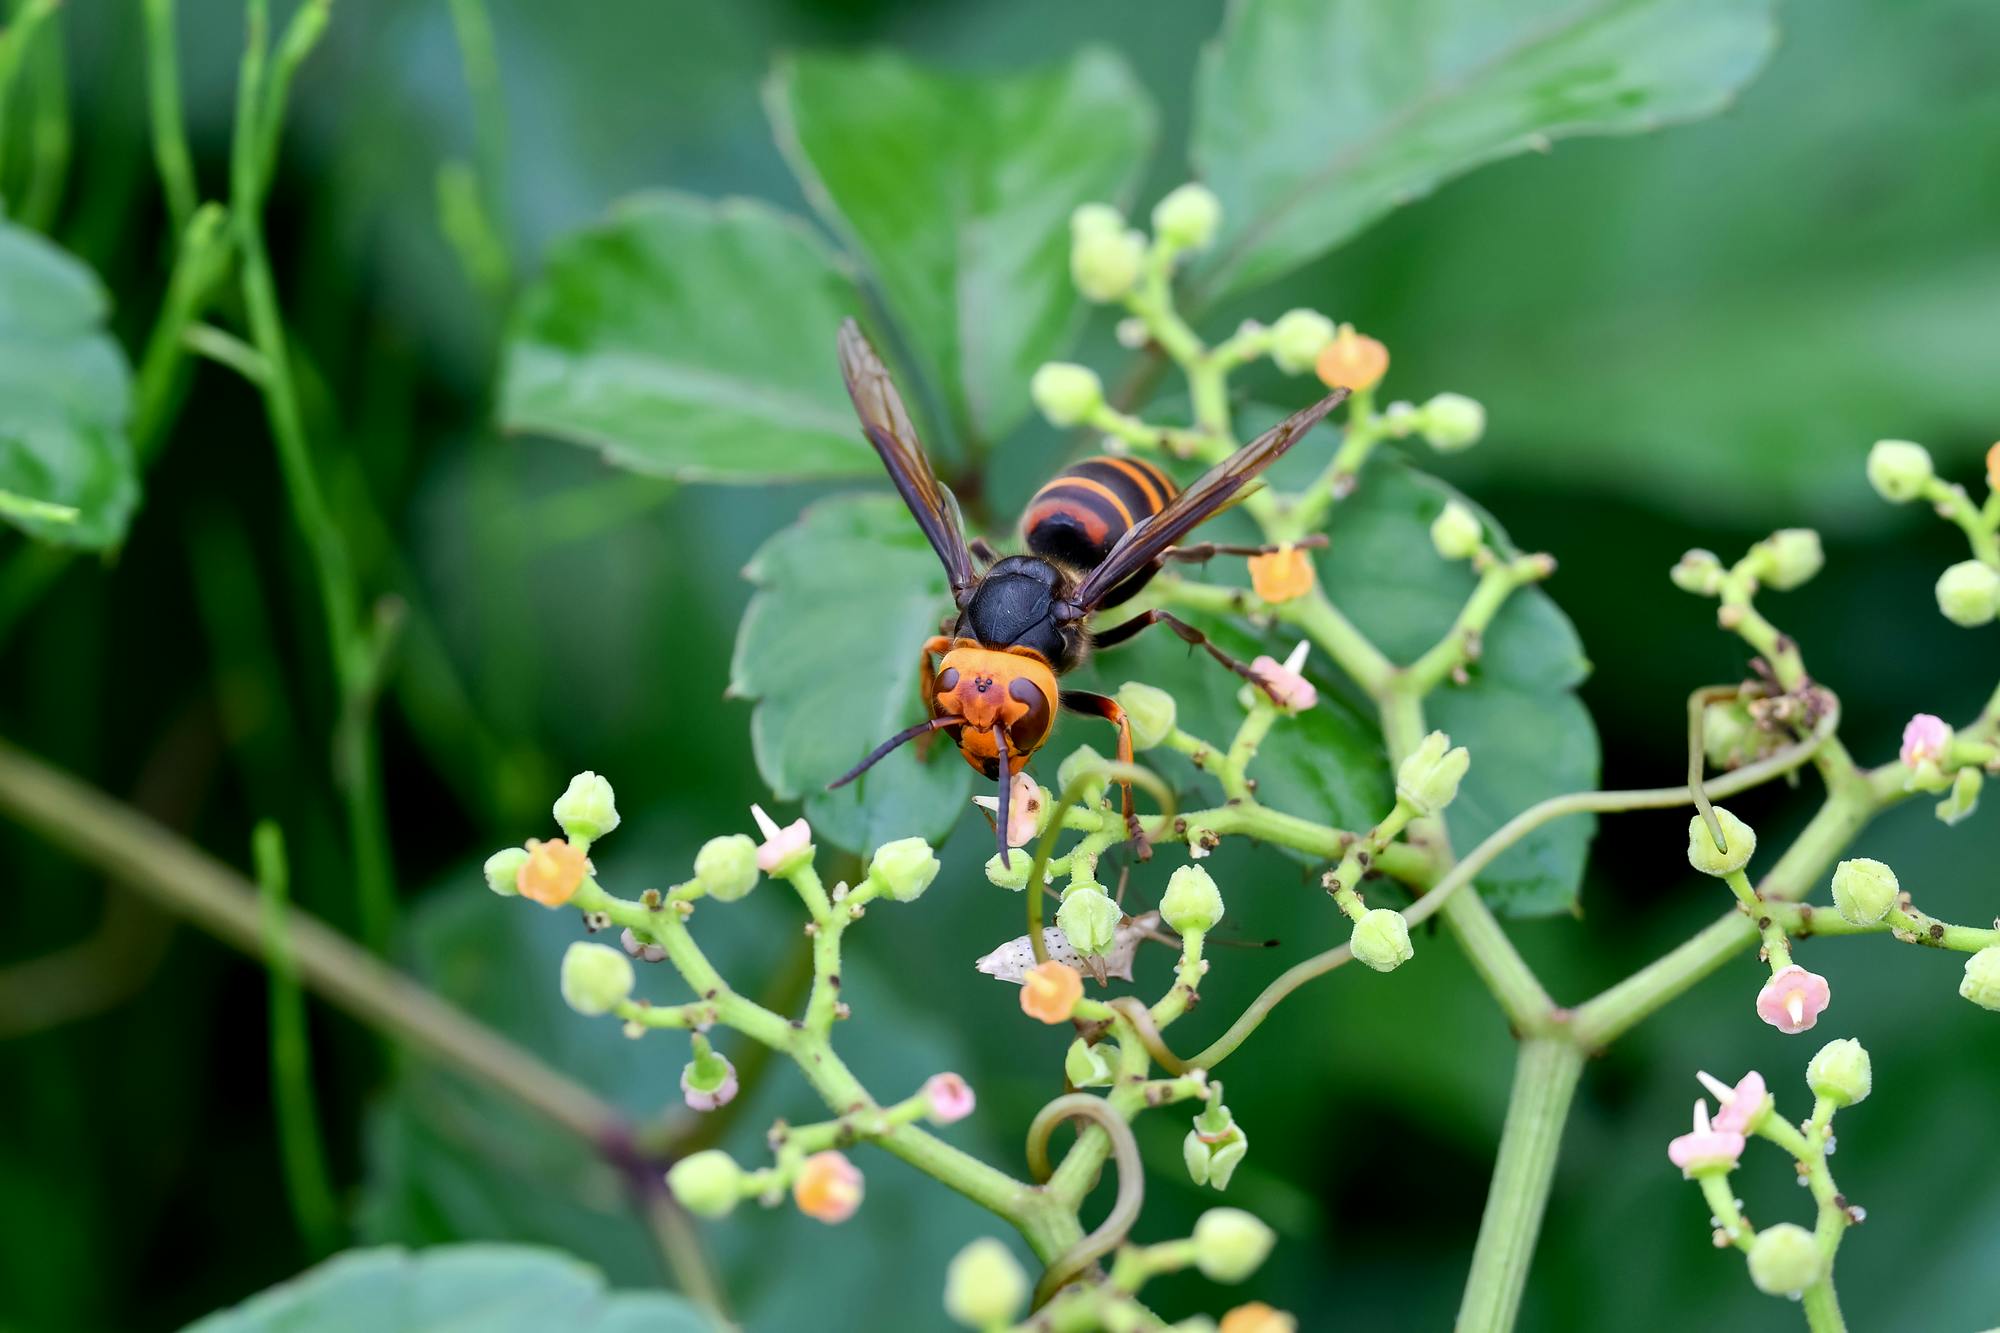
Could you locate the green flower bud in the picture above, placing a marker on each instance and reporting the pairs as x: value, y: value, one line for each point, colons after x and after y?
x: 1095, y: 220
x: 1087, y: 1067
x: 1381, y: 939
x: 1187, y: 217
x: 1192, y: 904
x: 1969, y: 594
x: 587, y: 810
x: 707, y: 1183
x: 984, y: 1285
x: 1982, y: 978
x: 1789, y: 557
x: 1699, y: 572
x: 1089, y: 921
x: 1728, y: 736
x: 726, y: 867
x: 1784, y: 1260
x: 1065, y: 393
x: 904, y: 868
x: 1105, y: 264
x: 1013, y: 874
x: 1456, y: 532
x: 1864, y: 890
x: 1081, y: 760
x: 1964, y: 798
x: 1702, y: 853
x: 595, y: 978
x: 1230, y: 1244
x: 1841, y: 1072
x: 1429, y: 778
x: 503, y: 869
x: 1451, y: 422
x: 1297, y: 339
x: 1151, y: 710
x: 1214, y: 1147
x: 1899, y: 470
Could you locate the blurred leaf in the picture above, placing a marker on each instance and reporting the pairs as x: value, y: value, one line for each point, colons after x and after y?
x: 956, y: 191
x: 1314, y: 119
x: 828, y: 649
x: 65, y: 392
x: 494, y: 1288
x: 689, y: 339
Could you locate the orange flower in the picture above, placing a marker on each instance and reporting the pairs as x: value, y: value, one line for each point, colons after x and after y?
x: 1281, y: 575
x: 1993, y: 467
x: 1050, y: 991
x: 551, y: 872
x: 1257, y: 1317
x: 828, y: 1187
x: 1352, y: 361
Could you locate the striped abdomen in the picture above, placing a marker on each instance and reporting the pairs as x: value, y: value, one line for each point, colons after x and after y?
x: 1079, y: 516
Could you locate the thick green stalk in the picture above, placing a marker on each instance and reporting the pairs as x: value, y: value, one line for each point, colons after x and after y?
x: 163, y: 89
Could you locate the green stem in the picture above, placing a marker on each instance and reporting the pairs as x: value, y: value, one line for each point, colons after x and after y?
x: 163, y: 89
x: 1545, y: 1080
x: 1822, y: 1308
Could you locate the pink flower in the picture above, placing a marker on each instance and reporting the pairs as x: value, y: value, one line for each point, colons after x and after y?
x: 1282, y: 681
x: 781, y: 845
x: 1706, y: 1148
x: 707, y: 1093
x: 1925, y: 740
x: 1024, y: 810
x: 828, y: 1187
x: 1793, y: 999
x: 950, y: 1097
x: 1741, y: 1106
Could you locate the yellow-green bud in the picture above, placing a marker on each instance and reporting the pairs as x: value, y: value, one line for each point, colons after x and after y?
x: 1699, y: 572
x: 1230, y: 1244
x: 1105, y: 264
x: 1789, y: 557
x: 587, y: 810
x: 707, y: 1183
x: 1841, y: 1072
x: 1899, y: 470
x: 1188, y: 216
x: 1456, y: 532
x: 1864, y: 890
x: 1702, y: 852
x: 595, y: 978
x: 1982, y: 978
x: 1297, y: 339
x: 1381, y: 939
x: 1964, y: 797
x: 1095, y: 220
x: 904, y: 868
x: 1784, y: 1260
x: 1969, y: 593
x: 1080, y: 761
x: 1087, y: 1067
x: 1429, y: 778
x: 726, y: 867
x: 1066, y: 393
x: 1727, y: 733
x: 1451, y: 422
x: 1192, y: 904
x: 1089, y: 921
x: 984, y: 1286
x: 503, y: 869
x: 1152, y: 711
x: 1013, y: 873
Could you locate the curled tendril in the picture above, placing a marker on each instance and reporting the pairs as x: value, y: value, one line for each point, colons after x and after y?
x: 1105, y: 771
x: 1131, y: 1185
x: 1134, y: 1011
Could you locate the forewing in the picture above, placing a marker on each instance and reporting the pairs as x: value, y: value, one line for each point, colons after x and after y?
x: 1213, y: 490
x: 886, y: 423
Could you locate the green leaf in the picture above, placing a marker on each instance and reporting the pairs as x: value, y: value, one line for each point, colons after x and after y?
x: 828, y: 648
x: 689, y: 339
x: 65, y: 394
x: 493, y: 1288
x: 956, y: 192
x: 1314, y: 119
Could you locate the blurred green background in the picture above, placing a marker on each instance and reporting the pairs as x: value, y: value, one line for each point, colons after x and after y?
x: 1683, y: 339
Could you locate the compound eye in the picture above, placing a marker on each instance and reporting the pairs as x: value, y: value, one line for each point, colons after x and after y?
x: 949, y: 680
x: 1027, y: 733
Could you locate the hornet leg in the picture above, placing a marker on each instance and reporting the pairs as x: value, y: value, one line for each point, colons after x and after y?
x: 1189, y: 635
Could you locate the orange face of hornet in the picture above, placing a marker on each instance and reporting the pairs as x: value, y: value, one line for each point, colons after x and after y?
x: 990, y: 687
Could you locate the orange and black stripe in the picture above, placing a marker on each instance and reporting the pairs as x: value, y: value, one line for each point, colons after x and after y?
x: 1079, y: 515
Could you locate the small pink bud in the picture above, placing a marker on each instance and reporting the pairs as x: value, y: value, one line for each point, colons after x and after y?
x: 708, y: 1098
x: 1706, y: 1147
x: 1282, y: 681
x: 1742, y: 1106
x: 950, y: 1097
x: 1793, y: 999
x: 828, y: 1187
x: 1925, y: 740
x: 781, y: 845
